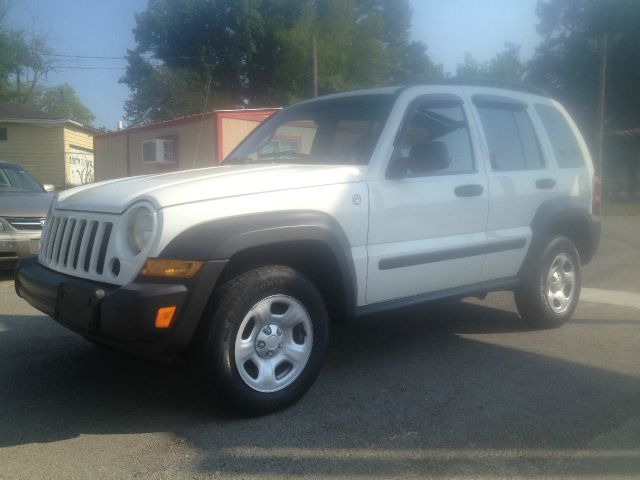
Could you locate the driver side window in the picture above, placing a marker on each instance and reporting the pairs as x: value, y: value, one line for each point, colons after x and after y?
x: 434, y: 141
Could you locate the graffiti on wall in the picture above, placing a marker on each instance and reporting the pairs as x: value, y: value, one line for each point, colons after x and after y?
x: 80, y: 167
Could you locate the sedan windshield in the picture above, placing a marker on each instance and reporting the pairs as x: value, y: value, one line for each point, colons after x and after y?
x: 341, y: 131
x: 16, y: 180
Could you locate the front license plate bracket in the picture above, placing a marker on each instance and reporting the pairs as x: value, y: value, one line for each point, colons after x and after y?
x: 79, y: 307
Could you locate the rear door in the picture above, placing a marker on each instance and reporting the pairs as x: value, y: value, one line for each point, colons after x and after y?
x: 427, y: 220
x: 520, y: 180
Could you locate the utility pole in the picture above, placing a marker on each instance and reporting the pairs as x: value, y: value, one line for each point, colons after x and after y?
x: 314, y: 60
x: 602, y: 86
x: 18, y: 84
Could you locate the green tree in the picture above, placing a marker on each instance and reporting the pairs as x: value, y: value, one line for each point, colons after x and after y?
x: 24, y: 61
x: 567, y: 64
x: 506, y: 66
x: 258, y: 52
x: 567, y: 61
x: 63, y: 101
x: 5, y: 55
x: 471, y: 68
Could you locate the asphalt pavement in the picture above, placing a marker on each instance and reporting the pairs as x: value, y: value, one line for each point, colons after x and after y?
x: 463, y: 390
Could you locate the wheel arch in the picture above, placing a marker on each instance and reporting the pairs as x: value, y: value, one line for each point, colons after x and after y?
x: 312, y: 242
x: 567, y: 217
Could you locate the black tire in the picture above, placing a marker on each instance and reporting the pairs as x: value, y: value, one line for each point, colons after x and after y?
x: 233, y: 301
x: 533, y: 298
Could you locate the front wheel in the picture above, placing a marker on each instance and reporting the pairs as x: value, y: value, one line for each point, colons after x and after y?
x: 268, y: 339
x: 550, y: 295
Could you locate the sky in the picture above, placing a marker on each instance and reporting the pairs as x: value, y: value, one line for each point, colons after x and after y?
x: 99, y: 28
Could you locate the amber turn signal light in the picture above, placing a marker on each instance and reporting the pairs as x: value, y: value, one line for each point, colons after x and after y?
x: 158, y: 267
x: 164, y: 317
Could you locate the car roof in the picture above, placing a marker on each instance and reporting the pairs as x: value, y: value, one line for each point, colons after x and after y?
x: 515, y: 91
x: 8, y: 164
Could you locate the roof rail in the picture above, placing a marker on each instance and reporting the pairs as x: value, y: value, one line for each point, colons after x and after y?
x: 489, y: 82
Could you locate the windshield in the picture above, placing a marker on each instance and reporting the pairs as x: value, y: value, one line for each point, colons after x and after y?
x: 16, y: 180
x: 334, y: 131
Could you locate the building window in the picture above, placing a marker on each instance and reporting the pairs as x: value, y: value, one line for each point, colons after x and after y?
x: 3, y: 134
x: 159, y: 151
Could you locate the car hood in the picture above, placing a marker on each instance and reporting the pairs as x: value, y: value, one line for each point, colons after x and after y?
x: 165, y: 190
x: 25, y: 204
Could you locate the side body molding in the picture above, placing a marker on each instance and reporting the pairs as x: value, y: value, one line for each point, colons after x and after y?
x: 223, y: 238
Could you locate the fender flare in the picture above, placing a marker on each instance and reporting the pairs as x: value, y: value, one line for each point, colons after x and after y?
x: 551, y: 214
x: 223, y: 238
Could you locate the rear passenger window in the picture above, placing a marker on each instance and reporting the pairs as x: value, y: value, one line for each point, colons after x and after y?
x: 512, y: 142
x: 563, y: 141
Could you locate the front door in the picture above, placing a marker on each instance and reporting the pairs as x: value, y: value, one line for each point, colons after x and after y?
x: 428, y: 216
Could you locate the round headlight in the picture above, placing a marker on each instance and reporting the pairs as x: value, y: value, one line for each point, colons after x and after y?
x: 140, y: 229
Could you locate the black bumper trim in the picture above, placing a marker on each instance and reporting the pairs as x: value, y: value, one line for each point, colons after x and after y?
x: 122, y: 317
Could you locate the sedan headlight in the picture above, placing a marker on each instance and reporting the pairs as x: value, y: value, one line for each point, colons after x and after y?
x: 140, y: 228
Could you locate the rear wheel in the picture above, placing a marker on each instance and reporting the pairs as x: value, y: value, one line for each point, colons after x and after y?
x: 550, y: 295
x: 267, y: 340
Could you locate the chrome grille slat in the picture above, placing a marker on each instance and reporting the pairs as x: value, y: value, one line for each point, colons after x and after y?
x: 25, y: 223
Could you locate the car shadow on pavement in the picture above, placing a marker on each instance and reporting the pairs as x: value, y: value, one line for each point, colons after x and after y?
x: 6, y: 275
x: 399, y: 396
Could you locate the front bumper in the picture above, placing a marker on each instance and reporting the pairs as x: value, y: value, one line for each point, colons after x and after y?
x: 14, y: 246
x: 121, y: 317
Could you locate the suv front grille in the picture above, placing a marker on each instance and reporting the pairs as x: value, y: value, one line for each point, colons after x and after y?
x: 76, y: 245
x: 26, y: 223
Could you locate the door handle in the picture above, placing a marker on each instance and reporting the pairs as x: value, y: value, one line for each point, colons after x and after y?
x: 545, y: 183
x: 472, y: 190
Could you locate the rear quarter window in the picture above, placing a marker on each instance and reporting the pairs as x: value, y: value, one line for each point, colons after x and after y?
x: 563, y: 141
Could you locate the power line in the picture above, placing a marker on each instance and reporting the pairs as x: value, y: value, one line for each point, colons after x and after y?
x: 101, y: 57
x: 106, y: 57
x: 85, y: 56
x: 69, y: 67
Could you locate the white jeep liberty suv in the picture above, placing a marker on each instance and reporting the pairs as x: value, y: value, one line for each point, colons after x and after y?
x: 333, y: 208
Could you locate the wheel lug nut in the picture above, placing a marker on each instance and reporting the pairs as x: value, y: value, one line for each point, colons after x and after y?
x: 266, y: 330
x: 269, y: 354
x: 280, y: 345
x: 261, y: 344
x: 279, y: 332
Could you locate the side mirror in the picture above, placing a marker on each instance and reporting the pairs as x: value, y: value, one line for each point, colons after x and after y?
x: 49, y: 187
x: 428, y: 156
